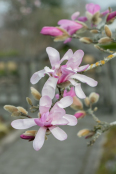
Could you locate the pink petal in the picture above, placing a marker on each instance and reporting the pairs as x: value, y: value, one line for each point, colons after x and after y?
x: 67, y: 40
x: 82, y: 68
x: 92, y: 8
x: 23, y: 123
x: 105, y: 13
x: 45, y: 104
x: 61, y: 121
x: 82, y: 19
x: 65, y: 102
x: 72, y: 119
x: 67, y: 55
x: 39, y: 138
x: 58, y: 133
x: 85, y: 79
x: 52, y: 31
x: 57, y: 96
x: 75, y: 15
x: 37, y: 76
x: 53, y: 55
x: 49, y: 87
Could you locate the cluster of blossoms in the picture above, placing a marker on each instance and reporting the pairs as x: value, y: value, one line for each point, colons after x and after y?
x: 69, y: 29
x: 50, y: 115
x: 66, y: 75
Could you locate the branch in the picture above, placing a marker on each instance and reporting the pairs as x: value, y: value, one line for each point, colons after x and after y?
x: 101, y: 62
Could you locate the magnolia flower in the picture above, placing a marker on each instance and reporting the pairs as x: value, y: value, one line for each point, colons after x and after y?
x: 70, y: 26
x: 93, y: 13
x: 68, y: 73
x: 50, y: 117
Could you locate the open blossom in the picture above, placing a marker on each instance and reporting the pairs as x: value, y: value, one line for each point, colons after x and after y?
x: 50, y: 117
x: 93, y: 13
x: 68, y: 73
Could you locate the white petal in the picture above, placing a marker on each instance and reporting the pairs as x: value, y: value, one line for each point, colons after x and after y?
x: 49, y: 87
x: 39, y: 138
x: 58, y: 133
x: 85, y: 79
x: 65, y: 102
x: 37, y: 76
x: 45, y: 104
x: 54, y: 56
x: 23, y: 123
x: 61, y: 121
x: 68, y: 55
x: 72, y: 119
x: 79, y: 92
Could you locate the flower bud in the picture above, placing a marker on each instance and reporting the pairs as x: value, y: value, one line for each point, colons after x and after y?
x: 52, y: 31
x: 107, y: 31
x: 35, y: 93
x: 86, y: 40
x: 94, y: 31
x: 93, y: 97
x: 83, y: 132
x: 80, y: 114
x: 29, y: 101
x: 77, y: 104
x: 57, y: 96
x: 16, y: 114
x: 111, y: 17
x: 10, y: 108
x: 105, y: 40
x: 21, y: 109
x: 87, y: 101
x: 95, y: 109
x: 29, y: 135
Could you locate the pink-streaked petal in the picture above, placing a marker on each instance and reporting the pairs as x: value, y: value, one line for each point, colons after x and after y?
x: 91, y: 82
x: 58, y: 133
x: 75, y: 15
x: 82, y: 68
x: 61, y: 121
x: 45, y: 104
x: 57, y: 96
x: 37, y: 76
x: 53, y: 55
x: 23, y: 123
x: 49, y: 87
x: 57, y: 112
x: 67, y: 40
x: 67, y: 55
x: 65, y: 102
x: 111, y: 16
x: 48, y: 70
x: 71, y: 119
x: 39, y: 138
x: 65, y: 22
x: 52, y: 31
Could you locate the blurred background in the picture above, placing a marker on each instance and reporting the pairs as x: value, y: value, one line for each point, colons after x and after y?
x: 22, y: 52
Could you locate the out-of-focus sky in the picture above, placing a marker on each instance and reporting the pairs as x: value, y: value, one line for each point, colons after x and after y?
x: 103, y: 3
